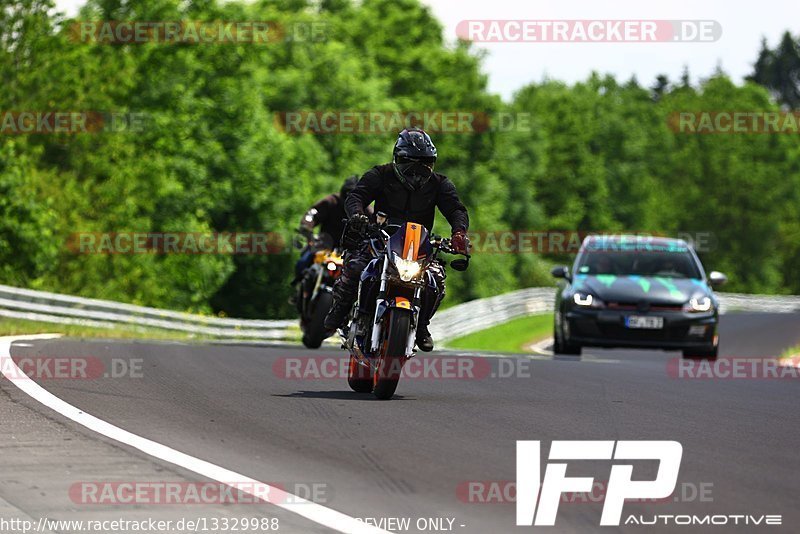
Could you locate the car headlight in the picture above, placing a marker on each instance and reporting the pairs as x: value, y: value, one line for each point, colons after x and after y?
x: 699, y: 304
x: 587, y: 300
x: 407, y: 269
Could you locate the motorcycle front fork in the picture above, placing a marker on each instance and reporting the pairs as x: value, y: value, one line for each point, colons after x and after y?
x: 412, y: 334
x: 377, y: 323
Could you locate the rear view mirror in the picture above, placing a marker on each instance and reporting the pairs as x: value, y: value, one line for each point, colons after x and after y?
x: 460, y: 264
x: 562, y: 271
x: 716, y: 279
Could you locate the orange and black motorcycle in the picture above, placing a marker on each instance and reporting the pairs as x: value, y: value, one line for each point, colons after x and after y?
x: 383, y: 326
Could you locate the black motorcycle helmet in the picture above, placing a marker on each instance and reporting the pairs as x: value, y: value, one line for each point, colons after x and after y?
x: 348, y: 186
x: 413, y: 158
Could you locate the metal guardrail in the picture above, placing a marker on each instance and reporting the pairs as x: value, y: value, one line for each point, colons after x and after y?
x: 66, y: 309
x: 451, y: 323
x: 475, y: 315
x: 758, y: 303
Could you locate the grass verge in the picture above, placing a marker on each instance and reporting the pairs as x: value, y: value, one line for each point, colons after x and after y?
x: 514, y: 336
x: 13, y: 327
x: 791, y: 352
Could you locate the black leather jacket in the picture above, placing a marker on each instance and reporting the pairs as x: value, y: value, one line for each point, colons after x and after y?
x: 400, y: 204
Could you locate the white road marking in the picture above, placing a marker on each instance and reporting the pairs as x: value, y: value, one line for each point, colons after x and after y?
x: 543, y: 347
x: 310, y: 510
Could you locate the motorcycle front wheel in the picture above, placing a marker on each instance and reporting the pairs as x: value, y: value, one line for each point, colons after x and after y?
x: 393, y: 354
x: 358, y: 377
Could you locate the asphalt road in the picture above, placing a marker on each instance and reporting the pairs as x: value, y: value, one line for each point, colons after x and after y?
x: 418, y: 455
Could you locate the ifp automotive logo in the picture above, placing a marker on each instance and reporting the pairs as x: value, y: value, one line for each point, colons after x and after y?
x: 546, y: 493
x: 620, y: 485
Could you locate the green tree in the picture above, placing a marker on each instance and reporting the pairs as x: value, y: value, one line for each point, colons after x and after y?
x: 779, y: 70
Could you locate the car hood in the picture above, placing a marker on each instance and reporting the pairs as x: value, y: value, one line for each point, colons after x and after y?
x: 636, y: 288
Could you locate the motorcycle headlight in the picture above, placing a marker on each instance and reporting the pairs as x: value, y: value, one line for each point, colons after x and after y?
x: 699, y: 304
x: 332, y: 266
x: 587, y: 300
x: 407, y: 269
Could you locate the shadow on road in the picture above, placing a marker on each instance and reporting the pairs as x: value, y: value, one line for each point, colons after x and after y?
x: 337, y: 394
x: 567, y: 358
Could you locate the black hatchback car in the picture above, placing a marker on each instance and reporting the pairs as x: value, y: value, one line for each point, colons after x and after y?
x: 633, y: 291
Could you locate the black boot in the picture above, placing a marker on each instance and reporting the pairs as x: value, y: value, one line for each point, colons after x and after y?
x: 337, y: 316
x: 424, y: 339
x: 345, y: 291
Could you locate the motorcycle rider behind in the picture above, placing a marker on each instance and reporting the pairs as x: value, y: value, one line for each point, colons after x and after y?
x: 329, y: 214
x: 406, y: 190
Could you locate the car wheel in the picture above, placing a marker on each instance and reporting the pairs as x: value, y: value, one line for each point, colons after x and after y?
x: 701, y: 354
x: 560, y: 347
x: 556, y: 340
x: 571, y: 349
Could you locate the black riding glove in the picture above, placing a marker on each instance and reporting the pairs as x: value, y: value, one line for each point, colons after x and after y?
x: 354, y: 231
x: 358, y: 223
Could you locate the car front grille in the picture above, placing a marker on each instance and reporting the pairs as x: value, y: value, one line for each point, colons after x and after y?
x: 633, y: 306
x: 668, y: 333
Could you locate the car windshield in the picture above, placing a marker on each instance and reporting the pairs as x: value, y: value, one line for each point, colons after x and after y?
x: 641, y: 262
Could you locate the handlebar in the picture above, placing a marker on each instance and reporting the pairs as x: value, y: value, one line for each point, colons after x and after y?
x: 443, y: 244
x: 438, y: 242
x: 320, y: 240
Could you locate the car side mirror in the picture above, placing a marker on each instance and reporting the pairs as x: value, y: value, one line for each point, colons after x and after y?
x: 460, y: 264
x: 716, y: 279
x: 562, y: 271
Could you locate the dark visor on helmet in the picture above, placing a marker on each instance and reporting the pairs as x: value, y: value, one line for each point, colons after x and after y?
x: 415, y: 168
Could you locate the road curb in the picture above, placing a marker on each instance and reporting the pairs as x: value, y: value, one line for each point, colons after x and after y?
x: 543, y: 347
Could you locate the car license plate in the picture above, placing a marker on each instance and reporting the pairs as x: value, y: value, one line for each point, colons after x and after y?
x: 644, y: 321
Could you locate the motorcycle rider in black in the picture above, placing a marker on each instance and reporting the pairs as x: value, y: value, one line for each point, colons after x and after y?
x: 406, y: 190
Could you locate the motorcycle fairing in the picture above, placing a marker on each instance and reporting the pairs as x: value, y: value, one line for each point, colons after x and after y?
x: 410, y: 242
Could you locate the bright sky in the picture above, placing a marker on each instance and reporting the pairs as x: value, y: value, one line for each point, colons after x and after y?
x: 512, y: 65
